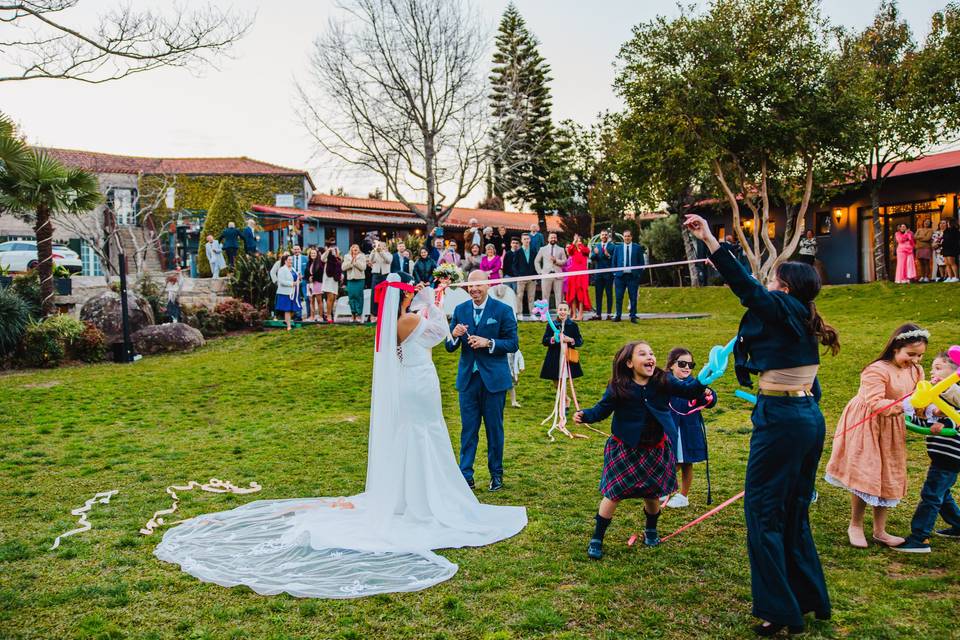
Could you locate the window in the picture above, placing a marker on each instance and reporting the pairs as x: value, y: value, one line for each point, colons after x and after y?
x: 7, y: 246
x: 824, y: 223
x: 772, y: 229
x: 90, y: 260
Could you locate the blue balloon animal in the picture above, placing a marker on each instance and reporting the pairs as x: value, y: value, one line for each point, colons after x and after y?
x: 716, y: 364
x: 743, y: 395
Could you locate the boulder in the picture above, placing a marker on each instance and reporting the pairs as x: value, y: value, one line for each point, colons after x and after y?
x: 165, y: 338
x: 103, y: 311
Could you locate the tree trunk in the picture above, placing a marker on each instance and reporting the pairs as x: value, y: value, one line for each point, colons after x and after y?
x: 44, y: 232
x: 879, y: 253
x: 690, y: 249
x: 542, y: 220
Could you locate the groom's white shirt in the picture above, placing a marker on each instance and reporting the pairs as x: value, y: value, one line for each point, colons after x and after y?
x: 481, y: 308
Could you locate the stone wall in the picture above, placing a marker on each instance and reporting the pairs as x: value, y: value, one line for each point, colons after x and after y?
x: 196, y: 291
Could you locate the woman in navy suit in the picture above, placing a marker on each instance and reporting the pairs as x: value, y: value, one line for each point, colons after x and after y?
x: 778, y: 339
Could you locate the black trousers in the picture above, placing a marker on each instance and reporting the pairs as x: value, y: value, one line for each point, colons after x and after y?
x: 231, y: 255
x: 603, y: 284
x: 785, y: 573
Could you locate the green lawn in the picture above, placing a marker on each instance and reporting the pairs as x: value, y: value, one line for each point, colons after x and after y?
x: 290, y: 411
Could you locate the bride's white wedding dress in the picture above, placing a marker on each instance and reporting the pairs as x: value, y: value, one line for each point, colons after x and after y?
x: 381, y: 540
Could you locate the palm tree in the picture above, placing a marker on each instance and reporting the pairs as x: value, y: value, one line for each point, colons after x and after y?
x: 35, y: 187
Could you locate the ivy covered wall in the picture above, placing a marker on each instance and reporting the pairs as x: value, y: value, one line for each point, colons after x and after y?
x: 198, y: 191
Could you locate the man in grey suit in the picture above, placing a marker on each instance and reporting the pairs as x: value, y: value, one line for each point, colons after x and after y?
x: 550, y: 259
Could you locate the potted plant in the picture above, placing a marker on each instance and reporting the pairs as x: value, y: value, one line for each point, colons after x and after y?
x: 62, y: 281
x: 5, y: 278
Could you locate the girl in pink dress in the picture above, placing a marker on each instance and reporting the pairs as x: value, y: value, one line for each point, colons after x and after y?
x: 906, y: 267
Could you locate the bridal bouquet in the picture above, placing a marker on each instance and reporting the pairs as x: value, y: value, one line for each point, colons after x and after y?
x: 448, y: 273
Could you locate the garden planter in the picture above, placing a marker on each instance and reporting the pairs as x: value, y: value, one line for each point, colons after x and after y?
x: 64, y: 286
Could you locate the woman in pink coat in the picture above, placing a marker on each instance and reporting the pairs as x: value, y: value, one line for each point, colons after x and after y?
x: 906, y: 266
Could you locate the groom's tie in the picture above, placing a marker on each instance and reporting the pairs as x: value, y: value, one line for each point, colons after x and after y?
x: 477, y: 312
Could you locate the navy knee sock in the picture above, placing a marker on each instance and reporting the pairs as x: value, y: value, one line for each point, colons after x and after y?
x: 600, y: 529
x: 651, y: 519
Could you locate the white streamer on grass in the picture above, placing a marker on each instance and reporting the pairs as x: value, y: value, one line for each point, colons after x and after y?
x: 102, y: 498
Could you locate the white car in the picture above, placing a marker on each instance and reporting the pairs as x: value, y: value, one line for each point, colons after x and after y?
x: 21, y: 255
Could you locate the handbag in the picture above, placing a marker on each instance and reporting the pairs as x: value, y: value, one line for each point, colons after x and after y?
x: 573, y: 355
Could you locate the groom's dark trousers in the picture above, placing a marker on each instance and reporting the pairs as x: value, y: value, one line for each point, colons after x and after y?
x: 483, y: 378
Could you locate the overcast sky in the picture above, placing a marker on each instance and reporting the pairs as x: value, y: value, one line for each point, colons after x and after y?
x: 247, y: 106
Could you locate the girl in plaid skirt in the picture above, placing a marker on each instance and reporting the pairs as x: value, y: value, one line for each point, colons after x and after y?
x: 638, y: 461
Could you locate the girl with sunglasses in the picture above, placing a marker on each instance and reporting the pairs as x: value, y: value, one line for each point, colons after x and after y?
x: 689, y: 437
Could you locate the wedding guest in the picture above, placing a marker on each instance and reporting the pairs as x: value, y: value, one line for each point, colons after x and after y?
x: 275, y: 269
x: 450, y: 255
x: 471, y: 261
x: 569, y: 333
x: 627, y: 254
x: 808, y: 248
x: 924, y: 250
x: 332, y: 276
x: 473, y: 235
x: 401, y: 262
x: 524, y: 264
x: 230, y: 241
x: 288, y: 300
x: 424, y: 268
x: 300, y: 266
x: 906, y: 269
x: 355, y: 271
x: 492, y: 263
x: 504, y: 244
x: 380, y: 261
x: 936, y: 243
x: 551, y: 259
x: 215, y: 257
x: 950, y: 248
x: 578, y: 287
x: 536, y: 238
x: 314, y: 276
x: 436, y: 249
x: 602, y: 254
x: 509, y: 263
x: 173, y: 288
x: 250, y: 239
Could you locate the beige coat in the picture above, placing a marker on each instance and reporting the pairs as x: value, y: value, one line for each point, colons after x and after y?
x: 380, y: 261
x: 550, y: 259
x: 354, y: 267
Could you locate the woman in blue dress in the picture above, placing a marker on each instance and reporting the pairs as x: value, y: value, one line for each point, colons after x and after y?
x: 288, y: 290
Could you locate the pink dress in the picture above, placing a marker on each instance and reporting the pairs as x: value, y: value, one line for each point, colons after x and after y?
x: 906, y: 267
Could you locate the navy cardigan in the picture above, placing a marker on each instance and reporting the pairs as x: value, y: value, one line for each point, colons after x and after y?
x: 644, y: 416
x: 773, y: 333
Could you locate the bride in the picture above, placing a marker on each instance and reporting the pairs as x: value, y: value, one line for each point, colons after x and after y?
x: 381, y: 540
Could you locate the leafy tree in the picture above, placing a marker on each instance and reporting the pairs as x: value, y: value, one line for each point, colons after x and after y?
x: 35, y: 187
x: 751, y: 89
x: 663, y: 240
x: 223, y: 211
x: 521, y: 106
x: 911, y: 96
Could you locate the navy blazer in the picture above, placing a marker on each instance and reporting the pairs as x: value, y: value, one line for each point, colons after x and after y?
x: 644, y: 416
x: 600, y: 260
x: 230, y: 238
x: 249, y: 240
x: 619, y: 259
x: 522, y: 266
x: 399, y: 264
x: 773, y: 333
x: 497, y: 323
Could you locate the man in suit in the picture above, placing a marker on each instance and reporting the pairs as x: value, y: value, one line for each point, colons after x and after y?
x: 627, y: 254
x: 550, y: 259
x: 485, y: 331
x: 602, y: 256
x: 401, y: 263
x: 509, y: 270
x: 300, y: 266
x: 230, y: 241
x: 536, y: 238
x: 250, y: 239
x: 523, y: 264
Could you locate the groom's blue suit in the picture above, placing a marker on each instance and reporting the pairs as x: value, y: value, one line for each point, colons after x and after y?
x: 483, y: 379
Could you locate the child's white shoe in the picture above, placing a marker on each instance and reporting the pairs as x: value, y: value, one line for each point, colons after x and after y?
x: 678, y: 501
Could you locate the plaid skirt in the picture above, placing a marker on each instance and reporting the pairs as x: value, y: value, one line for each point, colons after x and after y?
x: 637, y: 472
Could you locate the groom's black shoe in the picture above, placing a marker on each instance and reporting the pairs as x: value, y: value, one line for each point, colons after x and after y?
x: 496, y: 484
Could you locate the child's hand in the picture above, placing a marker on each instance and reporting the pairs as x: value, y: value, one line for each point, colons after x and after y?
x: 578, y: 417
x: 936, y: 428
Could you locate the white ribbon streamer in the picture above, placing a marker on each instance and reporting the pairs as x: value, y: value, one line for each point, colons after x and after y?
x: 585, y: 272
x: 213, y: 486
x: 102, y: 498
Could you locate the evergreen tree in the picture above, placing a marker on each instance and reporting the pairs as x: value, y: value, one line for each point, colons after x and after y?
x: 223, y: 210
x: 521, y: 105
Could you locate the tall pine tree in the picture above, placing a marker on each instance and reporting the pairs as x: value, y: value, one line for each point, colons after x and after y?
x: 521, y: 104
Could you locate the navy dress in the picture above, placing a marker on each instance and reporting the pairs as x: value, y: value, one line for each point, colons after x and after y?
x: 785, y: 449
x: 689, y: 438
x: 638, y: 460
x: 551, y: 364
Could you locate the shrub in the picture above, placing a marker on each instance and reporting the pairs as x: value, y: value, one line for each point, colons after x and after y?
x: 41, y: 346
x: 27, y: 287
x: 239, y: 315
x: 663, y: 241
x: 14, y: 319
x: 250, y: 280
x: 66, y: 328
x: 207, y: 321
x: 90, y: 345
x: 155, y: 293
x: 413, y: 243
x: 223, y: 210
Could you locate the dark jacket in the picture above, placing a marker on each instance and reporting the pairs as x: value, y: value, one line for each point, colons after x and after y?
x: 773, y: 333
x: 689, y: 424
x: 423, y: 270
x: 602, y: 255
x: 230, y: 238
x: 644, y: 416
x: 400, y: 264
x: 522, y: 266
x: 315, y: 269
x: 551, y: 364
x: 249, y: 240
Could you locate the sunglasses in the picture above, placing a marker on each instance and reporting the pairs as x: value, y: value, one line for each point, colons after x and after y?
x: 685, y: 365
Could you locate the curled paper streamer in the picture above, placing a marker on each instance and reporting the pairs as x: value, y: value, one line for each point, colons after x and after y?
x: 102, y: 498
x: 213, y: 486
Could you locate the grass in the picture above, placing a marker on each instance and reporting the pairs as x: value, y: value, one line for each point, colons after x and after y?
x: 290, y: 411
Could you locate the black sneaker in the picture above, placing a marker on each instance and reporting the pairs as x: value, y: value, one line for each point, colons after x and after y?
x: 633, y: 320
x: 952, y: 532
x: 650, y: 537
x: 595, y: 549
x: 617, y: 319
x: 471, y: 483
x: 912, y: 546
x: 496, y: 484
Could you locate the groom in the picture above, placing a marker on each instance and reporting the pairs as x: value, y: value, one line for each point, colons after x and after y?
x: 487, y: 331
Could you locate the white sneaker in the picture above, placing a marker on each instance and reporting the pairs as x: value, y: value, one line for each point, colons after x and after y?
x: 678, y: 501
